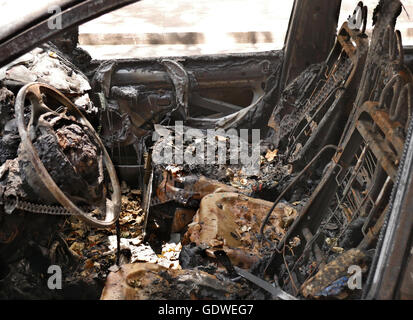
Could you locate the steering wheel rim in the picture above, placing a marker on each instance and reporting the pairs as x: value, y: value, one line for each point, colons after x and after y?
x: 33, y: 91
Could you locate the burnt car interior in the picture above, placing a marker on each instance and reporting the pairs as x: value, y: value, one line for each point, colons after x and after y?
x: 80, y: 186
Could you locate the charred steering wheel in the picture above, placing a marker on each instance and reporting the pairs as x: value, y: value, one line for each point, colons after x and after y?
x: 35, y: 93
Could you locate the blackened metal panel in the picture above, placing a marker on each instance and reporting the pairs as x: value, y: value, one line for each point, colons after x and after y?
x: 311, y: 35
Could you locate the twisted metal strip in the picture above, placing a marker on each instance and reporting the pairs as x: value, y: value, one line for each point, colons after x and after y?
x: 37, y: 208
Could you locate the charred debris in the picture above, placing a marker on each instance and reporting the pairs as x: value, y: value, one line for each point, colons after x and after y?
x: 79, y: 187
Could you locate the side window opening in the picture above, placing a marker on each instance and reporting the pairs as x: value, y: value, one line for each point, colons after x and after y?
x: 157, y: 28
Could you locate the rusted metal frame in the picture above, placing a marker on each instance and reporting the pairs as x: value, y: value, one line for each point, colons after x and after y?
x: 347, y: 47
x: 354, y: 215
x: 323, y: 193
x: 372, y: 234
x: 376, y: 150
x: 347, y: 181
x: 310, y: 242
x: 393, y: 130
x: 382, y: 120
x: 326, y: 189
x: 319, y: 114
x: 305, y: 103
x: 379, y: 147
x: 379, y: 201
x: 318, y: 91
x: 370, y: 164
x: 405, y: 98
x: 354, y: 172
x: 70, y: 17
x: 357, y: 208
x: 378, y: 55
x: 357, y: 55
x: 346, y: 37
x: 340, y: 200
x: 378, y: 185
x: 395, y: 46
x: 355, y: 196
x: 393, y: 85
x: 336, y: 56
x: 395, y: 244
x: 326, y: 131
